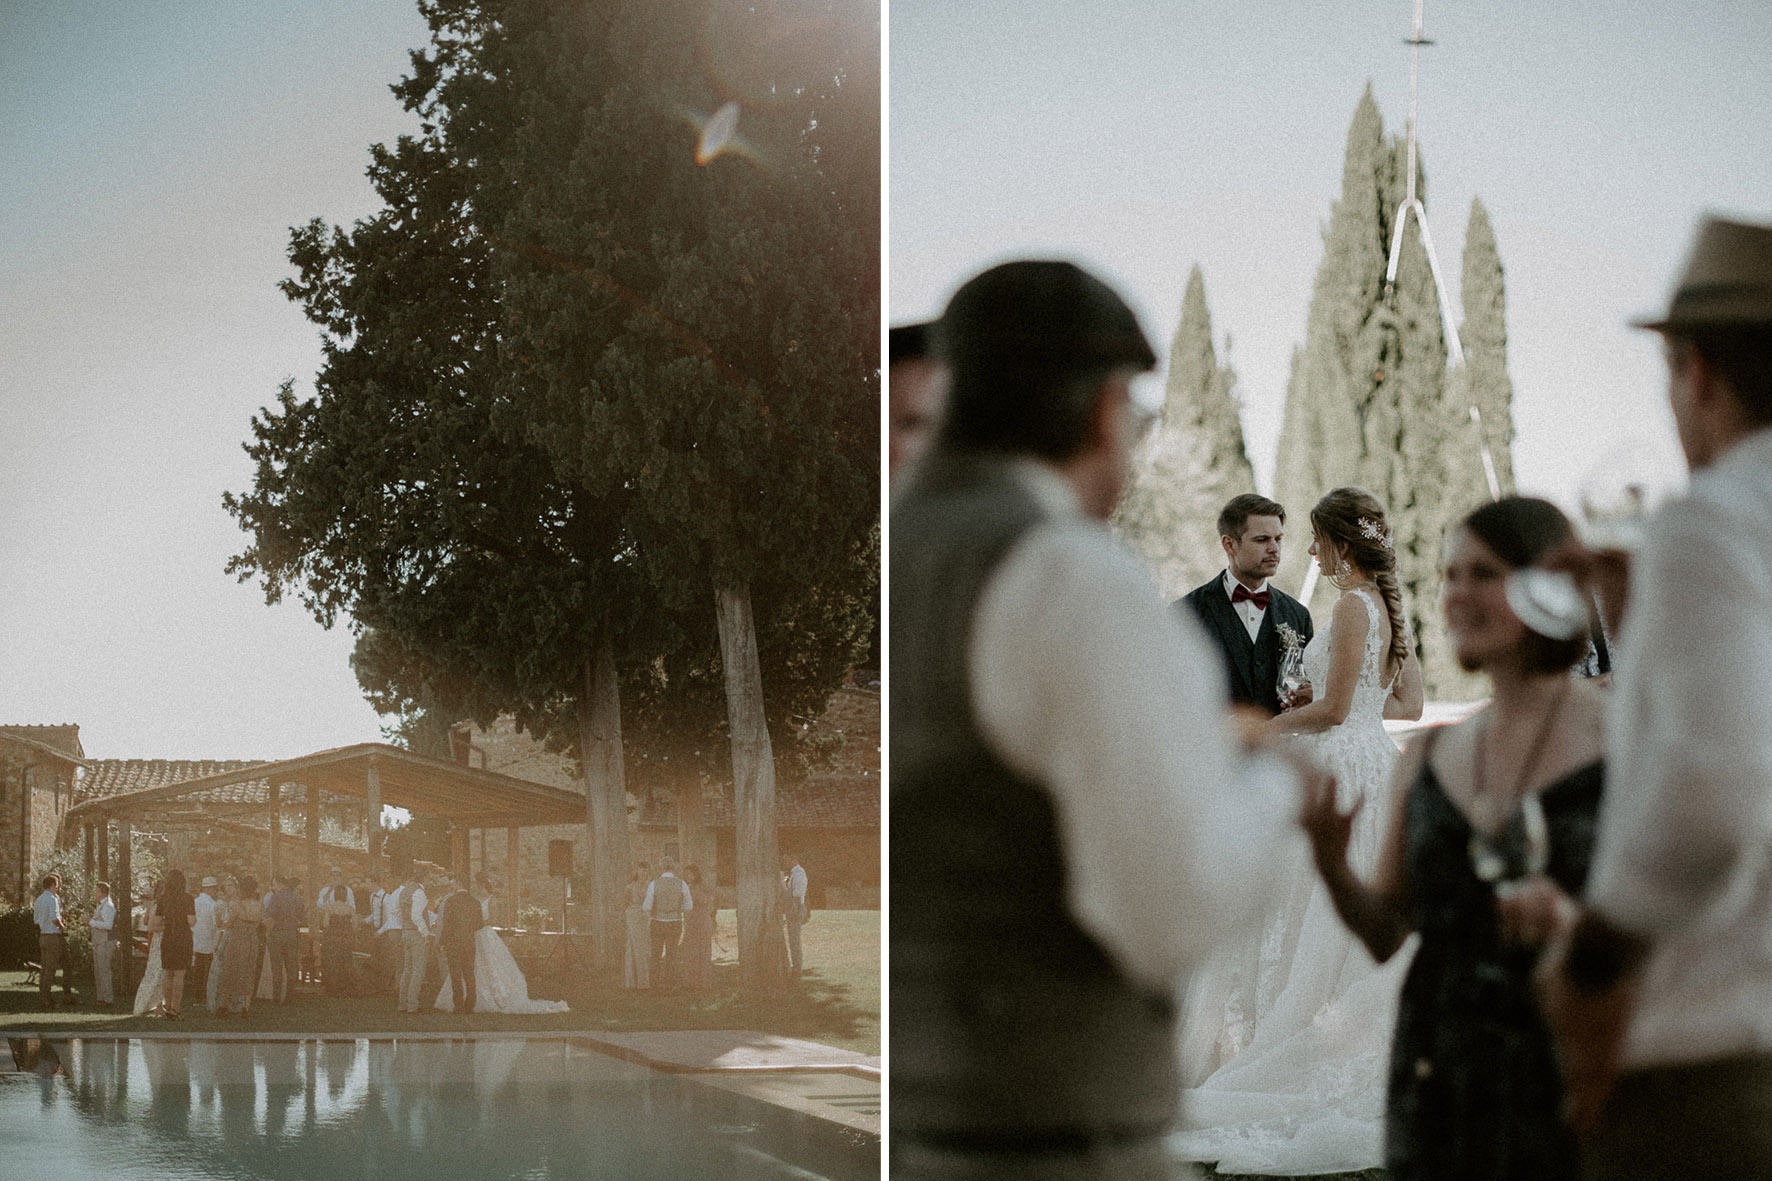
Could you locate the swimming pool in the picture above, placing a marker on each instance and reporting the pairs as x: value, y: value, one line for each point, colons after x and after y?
x: 394, y: 1108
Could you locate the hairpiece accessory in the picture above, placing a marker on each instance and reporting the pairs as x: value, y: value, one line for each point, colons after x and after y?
x: 1372, y: 531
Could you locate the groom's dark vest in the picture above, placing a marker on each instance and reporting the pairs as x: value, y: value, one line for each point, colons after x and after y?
x: 1011, y: 1026
x: 1253, y: 665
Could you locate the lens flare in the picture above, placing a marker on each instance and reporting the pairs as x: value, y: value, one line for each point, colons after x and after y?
x: 718, y: 134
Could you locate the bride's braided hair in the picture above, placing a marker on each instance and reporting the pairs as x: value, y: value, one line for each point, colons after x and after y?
x: 1355, y: 519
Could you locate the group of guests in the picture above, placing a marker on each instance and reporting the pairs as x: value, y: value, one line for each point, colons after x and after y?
x: 1584, y: 871
x: 215, y: 942
x: 671, y: 925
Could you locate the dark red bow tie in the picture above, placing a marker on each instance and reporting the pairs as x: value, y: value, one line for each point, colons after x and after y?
x: 1243, y: 593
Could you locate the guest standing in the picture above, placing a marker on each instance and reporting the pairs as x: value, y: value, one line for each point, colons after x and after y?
x: 793, y: 909
x: 459, y: 926
x: 698, y: 931
x: 104, y: 940
x: 52, y: 942
x: 212, y: 994
x: 203, y: 938
x: 667, y: 901
x: 1662, y: 996
x: 1474, y: 1089
x: 240, y: 958
x: 415, y: 943
x: 337, y: 906
x: 637, y: 964
x: 286, y: 913
x: 175, y: 916
x: 1061, y: 758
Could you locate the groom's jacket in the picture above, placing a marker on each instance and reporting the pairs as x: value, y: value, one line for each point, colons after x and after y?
x: 1253, y: 666
x: 461, y: 918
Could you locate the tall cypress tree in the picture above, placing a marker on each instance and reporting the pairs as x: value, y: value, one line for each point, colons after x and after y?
x: 1194, y: 461
x: 1370, y: 401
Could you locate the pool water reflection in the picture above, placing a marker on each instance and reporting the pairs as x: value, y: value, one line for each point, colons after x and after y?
x: 481, y: 1108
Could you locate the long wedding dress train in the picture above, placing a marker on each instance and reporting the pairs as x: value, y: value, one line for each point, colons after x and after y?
x: 499, y: 984
x: 1286, y: 1040
x: 152, y: 990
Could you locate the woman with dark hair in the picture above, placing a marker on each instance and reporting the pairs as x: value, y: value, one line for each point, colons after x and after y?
x: 177, y: 914
x: 1493, y: 839
x: 1286, y: 1032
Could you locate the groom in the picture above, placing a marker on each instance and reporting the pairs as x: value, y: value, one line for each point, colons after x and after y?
x: 460, y: 922
x: 1241, y: 611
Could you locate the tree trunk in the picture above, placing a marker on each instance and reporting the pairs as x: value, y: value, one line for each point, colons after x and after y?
x: 606, y: 804
x: 753, y: 794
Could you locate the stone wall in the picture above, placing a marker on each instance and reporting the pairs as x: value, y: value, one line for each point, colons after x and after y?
x: 33, y: 799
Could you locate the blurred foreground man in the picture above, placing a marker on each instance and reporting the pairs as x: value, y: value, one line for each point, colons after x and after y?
x: 1071, y: 821
x: 1662, y: 996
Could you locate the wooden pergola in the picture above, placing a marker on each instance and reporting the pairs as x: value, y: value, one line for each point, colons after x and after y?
x: 375, y: 773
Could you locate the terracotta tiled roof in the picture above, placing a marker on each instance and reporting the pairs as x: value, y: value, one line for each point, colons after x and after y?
x: 65, y: 738
x: 821, y: 801
x: 110, y: 777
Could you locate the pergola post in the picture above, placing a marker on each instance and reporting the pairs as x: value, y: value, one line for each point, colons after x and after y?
x: 513, y: 861
x: 313, y: 883
x: 458, y: 850
x: 122, y: 891
x: 104, y: 851
x: 372, y: 809
x: 86, y: 834
x: 275, y: 792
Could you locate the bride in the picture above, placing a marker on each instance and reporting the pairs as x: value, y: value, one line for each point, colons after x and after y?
x: 499, y: 984
x: 1285, y: 1044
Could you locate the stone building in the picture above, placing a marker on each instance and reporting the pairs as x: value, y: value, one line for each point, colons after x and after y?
x: 40, y: 771
x: 831, y: 817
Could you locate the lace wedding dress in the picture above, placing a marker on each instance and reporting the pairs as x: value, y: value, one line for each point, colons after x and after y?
x: 1287, y: 1033
x: 499, y: 984
x: 151, y: 992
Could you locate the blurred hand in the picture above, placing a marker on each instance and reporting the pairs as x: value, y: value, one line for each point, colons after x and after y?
x: 1589, y: 1026
x: 1328, y: 827
x: 1303, y: 695
x: 1250, y: 724
x: 1533, y: 912
x: 1604, y: 572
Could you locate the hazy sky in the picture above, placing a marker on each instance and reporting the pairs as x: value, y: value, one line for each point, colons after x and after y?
x: 152, y: 160
x: 1141, y: 138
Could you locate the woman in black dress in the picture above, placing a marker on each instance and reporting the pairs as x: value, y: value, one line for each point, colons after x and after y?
x: 1493, y: 840
x: 176, y: 914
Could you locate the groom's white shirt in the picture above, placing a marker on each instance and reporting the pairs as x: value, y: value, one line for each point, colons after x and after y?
x: 1086, y: 682
x: 1683, y: 852
x: 1247, y: 611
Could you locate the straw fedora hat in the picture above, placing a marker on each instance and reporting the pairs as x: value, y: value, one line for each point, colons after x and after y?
x: 1727, y: 281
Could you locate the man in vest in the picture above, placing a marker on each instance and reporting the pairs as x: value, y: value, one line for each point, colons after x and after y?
x: 667, y: 898
x: 1072, y: 821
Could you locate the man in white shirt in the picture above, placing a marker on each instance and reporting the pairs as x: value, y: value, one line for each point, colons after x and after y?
x: 52, y: 941
x: 390, y: 944
x: 104, y: 942
x: 667, y: 901
x: 793, y: 908
x: 415, y: 943
x: 203, y: 937
x: 1072, y: 822
x: 1662, y: 993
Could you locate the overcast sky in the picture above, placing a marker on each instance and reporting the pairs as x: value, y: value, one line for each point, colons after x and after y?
x: 1139, y: 138
x: 152, y: 160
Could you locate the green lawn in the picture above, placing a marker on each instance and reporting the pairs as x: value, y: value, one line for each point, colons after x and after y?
x: 836, y: 1002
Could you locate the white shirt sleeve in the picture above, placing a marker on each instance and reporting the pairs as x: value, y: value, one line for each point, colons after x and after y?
x: 419, y: 902
x: 1086, y: 682
x: 647, y: 905
x: 1686, y: 824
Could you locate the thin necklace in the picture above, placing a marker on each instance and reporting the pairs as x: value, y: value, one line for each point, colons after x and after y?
x: 1531, y: 763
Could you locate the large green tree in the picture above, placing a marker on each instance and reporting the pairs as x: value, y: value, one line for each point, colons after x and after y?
x: 595, y: 415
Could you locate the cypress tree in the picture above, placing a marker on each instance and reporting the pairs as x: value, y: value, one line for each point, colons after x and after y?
x: 1192, y: 463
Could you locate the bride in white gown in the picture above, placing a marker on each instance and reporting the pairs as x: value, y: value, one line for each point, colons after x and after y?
x: 1287, y: 1033
x: 499, y: 984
